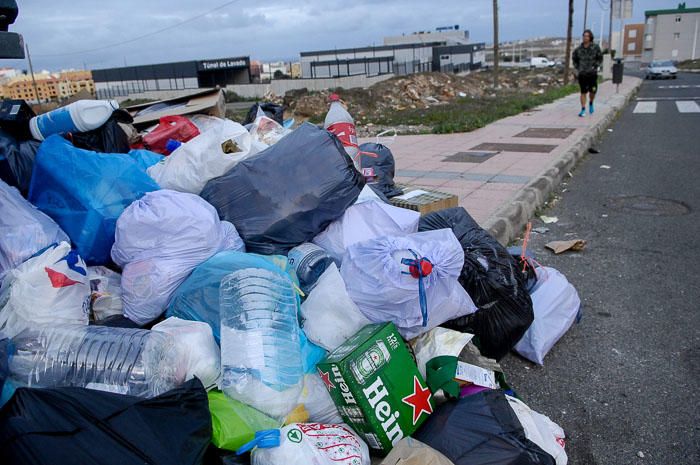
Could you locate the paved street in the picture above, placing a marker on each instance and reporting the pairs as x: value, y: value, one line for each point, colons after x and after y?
x: 623, y: 382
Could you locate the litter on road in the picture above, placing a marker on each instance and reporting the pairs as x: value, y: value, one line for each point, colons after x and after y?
x: 180, y: 288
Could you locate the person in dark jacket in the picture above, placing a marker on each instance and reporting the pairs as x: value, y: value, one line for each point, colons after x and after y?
x: 587, y: 58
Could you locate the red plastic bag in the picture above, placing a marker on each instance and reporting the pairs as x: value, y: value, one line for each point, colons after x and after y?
x: 178, y: 128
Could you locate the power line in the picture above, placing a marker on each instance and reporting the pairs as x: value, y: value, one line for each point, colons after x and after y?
x: 143, y: 36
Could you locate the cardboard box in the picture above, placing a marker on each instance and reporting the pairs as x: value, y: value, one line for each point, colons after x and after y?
x: 376, y: 386
x: 424, y: 200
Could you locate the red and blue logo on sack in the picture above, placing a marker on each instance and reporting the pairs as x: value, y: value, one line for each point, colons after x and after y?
x: 59, y: 279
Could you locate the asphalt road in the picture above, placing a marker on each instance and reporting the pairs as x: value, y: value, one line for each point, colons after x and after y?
x: 624, y: 382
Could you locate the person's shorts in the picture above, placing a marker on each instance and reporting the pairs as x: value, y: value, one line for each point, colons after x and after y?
x: 588, y: 82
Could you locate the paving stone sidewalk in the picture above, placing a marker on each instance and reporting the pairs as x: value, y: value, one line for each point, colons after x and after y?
x: 489, y: 168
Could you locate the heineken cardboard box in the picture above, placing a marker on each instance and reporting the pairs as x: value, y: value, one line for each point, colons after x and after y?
x: 376, y: 386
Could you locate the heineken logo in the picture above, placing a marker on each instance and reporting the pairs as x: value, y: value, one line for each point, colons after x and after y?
x: 375, y: 394
x: 326, y: 378
x: 342, y: 385
x: 419, y: 400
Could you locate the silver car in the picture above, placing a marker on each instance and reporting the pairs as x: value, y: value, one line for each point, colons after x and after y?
x: 661, y: 69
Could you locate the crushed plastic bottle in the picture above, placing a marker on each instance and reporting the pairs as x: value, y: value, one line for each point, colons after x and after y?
x: 260, y: 346
x: 339, y: 122
x: 308, y: 261
x: 137, y: 362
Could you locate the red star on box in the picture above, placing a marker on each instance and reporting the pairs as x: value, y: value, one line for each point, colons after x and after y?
x: 419, y: 400
x: 326, y: 378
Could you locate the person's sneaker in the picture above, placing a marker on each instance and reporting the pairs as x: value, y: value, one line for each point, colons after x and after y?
x: 591, y: 109
x: 582, y: 113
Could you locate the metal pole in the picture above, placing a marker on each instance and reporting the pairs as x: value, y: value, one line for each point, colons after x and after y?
x: 567, y: 57
x: 495, y: 44
x: 610, y: 26
x: 585, y: 15
x: 695, y: 39
x: 31, y: 71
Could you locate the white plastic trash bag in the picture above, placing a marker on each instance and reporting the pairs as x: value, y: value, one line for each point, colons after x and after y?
x: 24, y: 229
x: 363, y: 221
x: 556, y: 304
x: 207, y: 156
x: 541, y: 430
x: 317, y: 401
x: 197, y: 352
x: 49, y: 289
x: 265, y: 131
x: 106, y: 293
x: 159, y: 240
x: 330, y: 316
x: 379, y: 280
x: 314, y: 444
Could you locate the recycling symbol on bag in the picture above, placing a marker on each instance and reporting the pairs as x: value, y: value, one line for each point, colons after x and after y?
x: 294, y: 435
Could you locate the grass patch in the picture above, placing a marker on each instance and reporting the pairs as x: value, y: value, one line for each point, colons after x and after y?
x: 689, y: 64
x: 467, y: 114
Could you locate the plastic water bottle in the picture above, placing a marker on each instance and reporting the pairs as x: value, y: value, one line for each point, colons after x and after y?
x: 339, y: 122
x: 308, y: 261
x: 80, y: 116
x: 260, y: 347
x: 137, y: 362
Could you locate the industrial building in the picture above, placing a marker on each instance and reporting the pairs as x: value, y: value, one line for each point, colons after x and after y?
x: 672, y: 34
x: 401, y: 58
x: 114, y: 82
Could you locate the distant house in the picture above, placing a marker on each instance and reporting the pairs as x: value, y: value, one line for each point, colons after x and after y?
x: 672, y: 34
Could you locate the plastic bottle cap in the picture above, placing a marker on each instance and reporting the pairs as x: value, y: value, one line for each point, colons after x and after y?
x: 426, y: 268
x: 264, y: 439
x: 172, y: 144
x: 334, y: 98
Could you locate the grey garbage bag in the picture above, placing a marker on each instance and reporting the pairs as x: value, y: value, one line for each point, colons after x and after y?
x: 288, y: 193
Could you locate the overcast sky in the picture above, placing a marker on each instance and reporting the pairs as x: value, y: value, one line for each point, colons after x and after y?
x: 60, y: 31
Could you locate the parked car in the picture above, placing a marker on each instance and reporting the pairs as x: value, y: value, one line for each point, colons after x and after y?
x: 661, y: 69
x: 541, y: 62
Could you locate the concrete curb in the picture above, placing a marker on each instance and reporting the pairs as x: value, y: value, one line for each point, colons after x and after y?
x: 509, y: 220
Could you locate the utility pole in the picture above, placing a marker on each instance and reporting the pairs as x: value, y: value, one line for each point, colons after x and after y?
x: 495, y: 44
x: 569, y: 26
x: 585, y: 15
x: 610, y: 29
x: 31, y: 71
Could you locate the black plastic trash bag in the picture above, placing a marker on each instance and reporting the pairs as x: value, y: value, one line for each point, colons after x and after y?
x: 80, y: 426
x: 481, y: 429
x: 17, y: 161
x: 384, y: 167
x: 271, y: 110
x: 14, y: 118
x: 108, y: 138
x: 494, y: 281
x: 288, y: 193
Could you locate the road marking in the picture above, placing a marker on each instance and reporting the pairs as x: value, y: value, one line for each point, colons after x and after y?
x: 645, y: 107
x: 680, y: 86
x: 666, y: 98
x: 687, y: 106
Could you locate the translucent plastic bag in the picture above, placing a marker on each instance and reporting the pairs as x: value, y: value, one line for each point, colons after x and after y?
x: 317, y: 402
x: 363, y: 221
x: 85, y: 192
x: 197, y: 352
x: 159, y: 240
x: 266, y: 131
x: 106, y: 293
x: 382, y: 277
x: 556, y: 305
x: 330, y: 316
x: 541, y: 430
x: 48, y: 289
x: 314, y: 443
x: 24, y: 230
x: 207, y: 156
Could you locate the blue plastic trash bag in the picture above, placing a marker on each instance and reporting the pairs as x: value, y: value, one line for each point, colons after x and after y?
x: 145, y: 158
x: 24, y: 230
x: 85, y: 192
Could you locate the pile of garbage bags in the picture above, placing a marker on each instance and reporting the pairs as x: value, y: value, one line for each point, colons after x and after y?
x: 216, y: 292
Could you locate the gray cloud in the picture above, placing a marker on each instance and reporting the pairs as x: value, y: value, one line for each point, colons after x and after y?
x: 267, y: 30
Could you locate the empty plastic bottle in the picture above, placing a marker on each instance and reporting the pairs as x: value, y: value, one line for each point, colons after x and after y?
x: 260, y: 347
x: 339, y: 122
x: 309, y: 261
x: 137, y: 362
x: 80, y: 116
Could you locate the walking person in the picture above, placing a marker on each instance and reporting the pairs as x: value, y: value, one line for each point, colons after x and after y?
x: 587, y: 58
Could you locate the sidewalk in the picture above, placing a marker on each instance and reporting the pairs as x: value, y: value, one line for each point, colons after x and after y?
x: 489, y: 177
